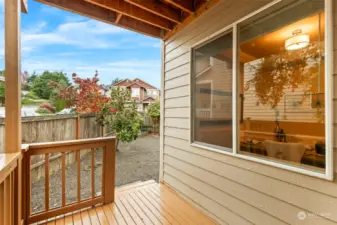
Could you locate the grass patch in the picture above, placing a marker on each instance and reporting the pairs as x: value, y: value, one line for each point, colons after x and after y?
x: 28, y: 101
x: 43, y: 111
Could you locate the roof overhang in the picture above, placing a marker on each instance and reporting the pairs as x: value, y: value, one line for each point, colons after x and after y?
x: 24, y: 6
x: 156, y: 18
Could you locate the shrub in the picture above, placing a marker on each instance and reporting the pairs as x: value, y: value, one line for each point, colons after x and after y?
x: 154, y: 110
x: 42, y: 111
x: 48, y: 107
x: 32, y: 95
x: 27, y: 101
x: 59, y: 104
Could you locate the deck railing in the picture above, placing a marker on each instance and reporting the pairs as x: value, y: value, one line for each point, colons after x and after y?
x: 68, y: 147
x: 10, y: 188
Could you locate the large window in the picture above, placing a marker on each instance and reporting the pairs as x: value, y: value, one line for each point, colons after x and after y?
x: 279, y: 80
x: 212, y: 94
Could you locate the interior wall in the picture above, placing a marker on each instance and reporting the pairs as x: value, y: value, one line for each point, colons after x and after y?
x: 229, y: 189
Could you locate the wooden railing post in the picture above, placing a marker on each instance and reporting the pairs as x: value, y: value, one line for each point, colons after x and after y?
x: 24, y: 175
x: 18, y: 193
x: 12, y: 80
x: 109, y: 172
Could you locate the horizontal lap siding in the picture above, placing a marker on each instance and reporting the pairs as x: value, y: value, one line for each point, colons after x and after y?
x: 229, y: 189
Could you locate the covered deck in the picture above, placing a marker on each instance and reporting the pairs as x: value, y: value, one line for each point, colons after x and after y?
x: 137, y: 203
x: 140, y: 203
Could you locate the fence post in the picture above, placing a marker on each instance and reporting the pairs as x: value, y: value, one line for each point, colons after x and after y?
x: 78, y: 127
x: 109, y: 172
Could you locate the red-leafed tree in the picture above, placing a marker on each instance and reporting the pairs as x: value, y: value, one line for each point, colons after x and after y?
x: 89, y: 98
x: 85, y: 95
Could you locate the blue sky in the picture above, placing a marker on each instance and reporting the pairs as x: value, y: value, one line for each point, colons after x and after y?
x: 57, y: 40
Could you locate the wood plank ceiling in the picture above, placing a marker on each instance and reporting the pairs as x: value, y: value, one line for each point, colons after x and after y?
x: 156, y: 18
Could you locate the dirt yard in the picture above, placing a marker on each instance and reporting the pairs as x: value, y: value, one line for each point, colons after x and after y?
x: 136, y: 161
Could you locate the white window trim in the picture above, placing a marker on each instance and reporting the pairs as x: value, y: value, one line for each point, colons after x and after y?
x: 328, y: 175
x: 208, y: 82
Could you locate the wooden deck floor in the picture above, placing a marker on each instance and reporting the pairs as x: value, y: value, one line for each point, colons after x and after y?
x: 142, y: 203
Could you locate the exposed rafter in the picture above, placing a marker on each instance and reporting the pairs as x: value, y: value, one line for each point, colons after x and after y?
x: 190, y: 18
x: 90, y: 10
x: 156, y: 18
x: 135, y: 12
x: 24, y: 6
x: 184, y: 5
x: 119, y: 16
x: 158, y: 8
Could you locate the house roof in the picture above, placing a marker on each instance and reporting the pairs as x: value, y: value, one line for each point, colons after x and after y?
x: 148, y: 99
x: 150, y: 86
x: 159, y: 19
x: 136, y: 81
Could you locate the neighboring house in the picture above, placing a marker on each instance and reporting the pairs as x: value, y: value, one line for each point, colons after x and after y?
x: 2, y: 79
x: 142, y: 92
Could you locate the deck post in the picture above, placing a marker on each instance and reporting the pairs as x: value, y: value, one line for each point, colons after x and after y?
x: 109, y: 172
x: 12, y: 76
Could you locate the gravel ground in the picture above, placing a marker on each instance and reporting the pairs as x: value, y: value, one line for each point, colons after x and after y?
x: 135, y: 161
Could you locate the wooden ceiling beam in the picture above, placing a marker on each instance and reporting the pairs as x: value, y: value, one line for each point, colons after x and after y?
x: 207, y: 5
x: 158, y: 8
x: 104, y: 15
x: 119, y: 16
x: 185, y: 5
x: 127, y: 9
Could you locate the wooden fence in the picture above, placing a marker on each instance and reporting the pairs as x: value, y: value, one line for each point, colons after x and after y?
x: 60, y: 128
x: 53, y: 128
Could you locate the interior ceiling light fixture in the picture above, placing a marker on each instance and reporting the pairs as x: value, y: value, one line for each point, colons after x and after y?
x: 297, y: 41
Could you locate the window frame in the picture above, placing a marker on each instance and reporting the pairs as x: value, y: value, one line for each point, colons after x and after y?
x: 329, y: 30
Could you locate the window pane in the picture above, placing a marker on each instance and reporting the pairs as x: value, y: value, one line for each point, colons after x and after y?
x: 281, y: 79
x: 212, y: 80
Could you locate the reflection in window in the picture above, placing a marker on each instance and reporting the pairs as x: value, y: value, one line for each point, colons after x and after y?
x: 281, y: 64
x: 212, y: 74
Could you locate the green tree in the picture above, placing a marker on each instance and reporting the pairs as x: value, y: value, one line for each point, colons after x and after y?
x: 154, y: 113
x: 40, y: 84
x: 116, y: 80
x: 2, y: 92
x: 57, y: 102
x: 125, y: 120
x: 154, y: 110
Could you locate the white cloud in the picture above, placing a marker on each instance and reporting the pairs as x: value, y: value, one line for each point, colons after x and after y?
x: 149, y: 71
x: 83, y: 34
x: 135, y: 63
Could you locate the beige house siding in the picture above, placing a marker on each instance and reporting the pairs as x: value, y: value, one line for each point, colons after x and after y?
x: 229, y: 189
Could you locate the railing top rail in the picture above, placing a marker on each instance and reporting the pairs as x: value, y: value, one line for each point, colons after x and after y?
x: 64, y: 146
x: 8, y: 161
x: 70, y: 142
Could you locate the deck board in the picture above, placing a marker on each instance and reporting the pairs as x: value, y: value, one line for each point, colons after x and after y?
x: 77, y: 220
x: 145, y: 203
x: 68, y: 220
x: 161, y: 212
x: 177, y: 214
x: 110, y: 216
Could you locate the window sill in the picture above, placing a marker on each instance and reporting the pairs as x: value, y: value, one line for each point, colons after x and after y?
x: 256, y: 159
